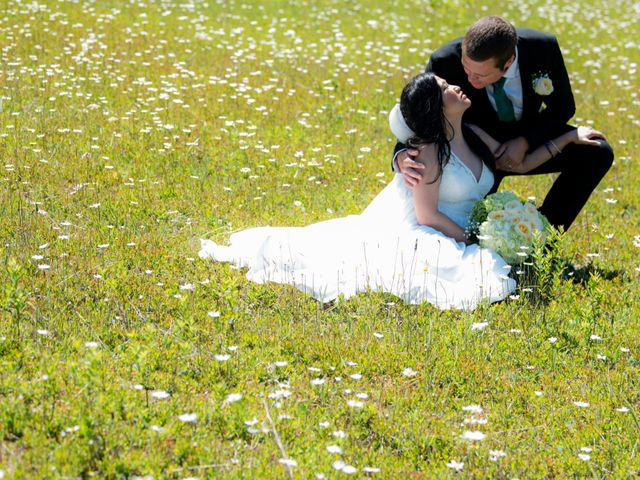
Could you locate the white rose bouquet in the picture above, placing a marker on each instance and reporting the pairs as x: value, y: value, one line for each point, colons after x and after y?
x: 507, y: 225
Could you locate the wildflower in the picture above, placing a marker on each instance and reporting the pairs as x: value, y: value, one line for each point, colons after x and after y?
x: 344, y: 468
x: 188, y: 417
x: 232, y: 397
x: 338, y: 465
x: 455, y: 465
x: 479, y: 326
x: 494, y: 455
x: 473, y: 435
x: 581, y: 404
x: 371, y: 470
x: 409, y: 372
x: 334, y: 449
x: 160, y: 394
x: 476, y: 409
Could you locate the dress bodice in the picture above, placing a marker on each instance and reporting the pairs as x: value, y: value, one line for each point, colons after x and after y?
x: 460, y: 190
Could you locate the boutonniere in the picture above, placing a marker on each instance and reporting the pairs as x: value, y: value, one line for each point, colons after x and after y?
x: 542, y: 84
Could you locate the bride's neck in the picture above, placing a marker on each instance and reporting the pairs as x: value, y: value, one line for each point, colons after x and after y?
x: 454, y: 128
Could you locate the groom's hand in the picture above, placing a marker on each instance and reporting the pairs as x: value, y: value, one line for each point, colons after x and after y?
x: 510, y: 155
x: 409, y: 168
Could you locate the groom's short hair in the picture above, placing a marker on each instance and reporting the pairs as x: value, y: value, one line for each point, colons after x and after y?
x: 491, y: 37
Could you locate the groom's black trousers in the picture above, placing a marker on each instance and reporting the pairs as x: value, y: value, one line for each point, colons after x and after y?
x: 581, y: 168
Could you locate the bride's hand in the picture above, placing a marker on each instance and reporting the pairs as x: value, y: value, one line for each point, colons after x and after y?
x: 588, y: 136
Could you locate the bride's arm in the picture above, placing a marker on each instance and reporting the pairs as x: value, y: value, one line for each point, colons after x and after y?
x: 425, y: 197
x: 582, y: 135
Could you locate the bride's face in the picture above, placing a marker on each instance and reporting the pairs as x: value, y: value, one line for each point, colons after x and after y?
x: 454, y: 101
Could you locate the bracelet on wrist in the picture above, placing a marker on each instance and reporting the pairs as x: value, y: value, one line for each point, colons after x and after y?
x: 546, y: 145
x: 558, y: 151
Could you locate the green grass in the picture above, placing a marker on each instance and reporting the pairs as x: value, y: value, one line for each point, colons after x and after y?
x: 130, y: 130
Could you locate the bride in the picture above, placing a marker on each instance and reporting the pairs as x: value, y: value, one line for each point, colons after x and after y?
x: 408, y: 242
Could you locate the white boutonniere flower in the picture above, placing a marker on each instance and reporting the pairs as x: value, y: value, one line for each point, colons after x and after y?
x: 542, y: 84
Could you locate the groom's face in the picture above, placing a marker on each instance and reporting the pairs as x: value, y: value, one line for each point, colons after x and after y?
x: 481, y: 74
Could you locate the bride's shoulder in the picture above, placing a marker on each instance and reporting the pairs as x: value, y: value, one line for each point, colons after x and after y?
x: 427, y: 154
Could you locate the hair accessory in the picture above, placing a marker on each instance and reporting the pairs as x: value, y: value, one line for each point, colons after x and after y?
x: 398, y: 125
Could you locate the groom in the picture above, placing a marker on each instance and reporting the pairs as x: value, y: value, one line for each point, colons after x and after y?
x: 520, y: 93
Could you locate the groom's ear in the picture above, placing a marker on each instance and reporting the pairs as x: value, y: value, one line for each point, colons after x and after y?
x: 509, y: 62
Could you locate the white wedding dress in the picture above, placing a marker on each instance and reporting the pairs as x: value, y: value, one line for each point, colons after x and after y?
x: 383, y: 249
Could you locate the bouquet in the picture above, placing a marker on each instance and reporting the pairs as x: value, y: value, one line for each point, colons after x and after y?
x: 507, y: 225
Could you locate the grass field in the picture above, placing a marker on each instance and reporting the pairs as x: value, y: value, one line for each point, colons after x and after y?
x: 131, y: 129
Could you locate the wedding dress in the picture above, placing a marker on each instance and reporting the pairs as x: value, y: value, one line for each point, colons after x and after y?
x: 383, y: 249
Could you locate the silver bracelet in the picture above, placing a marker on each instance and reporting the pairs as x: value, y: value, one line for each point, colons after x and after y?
x: 558, y: 151
x: 546, y: 145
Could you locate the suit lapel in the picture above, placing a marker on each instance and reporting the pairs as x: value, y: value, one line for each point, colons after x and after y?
x: 526, y: 74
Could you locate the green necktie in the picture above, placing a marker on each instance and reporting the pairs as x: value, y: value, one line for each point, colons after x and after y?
x: 503, y: 104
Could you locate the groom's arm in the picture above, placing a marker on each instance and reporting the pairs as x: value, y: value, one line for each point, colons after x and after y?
x: 398, y: 148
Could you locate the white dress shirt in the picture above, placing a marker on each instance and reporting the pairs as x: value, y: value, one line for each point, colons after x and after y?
x: 512, y: 87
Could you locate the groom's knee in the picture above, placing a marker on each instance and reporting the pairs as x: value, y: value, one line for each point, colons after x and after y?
x: 602, y: 157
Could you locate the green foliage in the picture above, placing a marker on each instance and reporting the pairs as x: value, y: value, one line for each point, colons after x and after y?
x: 130, y: 130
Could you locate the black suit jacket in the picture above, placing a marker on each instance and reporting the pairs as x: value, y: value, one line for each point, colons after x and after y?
x: 543, y: 117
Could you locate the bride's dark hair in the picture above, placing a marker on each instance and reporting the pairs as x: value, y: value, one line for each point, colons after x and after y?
x: 422, y: 107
